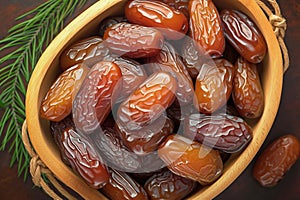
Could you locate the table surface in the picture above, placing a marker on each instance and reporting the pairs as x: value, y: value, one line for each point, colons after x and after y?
x: 245, y: 187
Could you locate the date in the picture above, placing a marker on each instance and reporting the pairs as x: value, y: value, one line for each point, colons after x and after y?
x: 133, y: 41
x: 57, y: 103
x: 276, y: 160
x: 243, y: 35
x: 133, y: 75
x: 88, y: 51
x: 167, y: 185
x: 191, y: 159
x: 157, y: 14
x: 247, y: 94
x: 114, y: 152
x: 148, y: 138
x: 182, y: 5
x: 84, y: 159
x: 92, y: 103
x: 169, y: 61
x: 108, y: 22
x: 213, y: 85
x: 206, y: 27
x: 148, y: 102
x: 224, y: 132
x: 122, y: 187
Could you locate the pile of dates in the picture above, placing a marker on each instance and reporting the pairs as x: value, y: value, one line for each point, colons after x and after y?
x: 152, y: 105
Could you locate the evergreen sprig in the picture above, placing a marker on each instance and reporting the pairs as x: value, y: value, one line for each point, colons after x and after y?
x: 25, y: 43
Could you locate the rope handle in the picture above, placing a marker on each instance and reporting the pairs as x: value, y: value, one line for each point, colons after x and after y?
x: 279, y: 25
x: 37, y: 167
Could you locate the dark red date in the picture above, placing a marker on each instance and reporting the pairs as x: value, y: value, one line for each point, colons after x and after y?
x: 148, y: 102
x: 93, y: 101
x: 122, y: 187
x: 243, y: 35
x: 247, y: 94
x: 224, y: 132
x: 275, y: 161
x: 182, y: 5
x: 169, y: 61
x: 84, y: 159
x: 88, y: 51
x: 166, y: 185
x: 108, y: 22
x: 133, y: 41
x: 159, y: 15
x: 148, y: 138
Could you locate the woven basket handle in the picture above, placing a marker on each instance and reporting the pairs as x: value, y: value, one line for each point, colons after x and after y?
x: 37, y: 167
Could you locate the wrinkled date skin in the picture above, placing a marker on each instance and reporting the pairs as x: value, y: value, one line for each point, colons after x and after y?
x: 114, y: 152
x: 193, y: 57
x: 57, y: 103
x: 90, y: 51
x: 108, y: 22
x: 213, y: 85
x: 182, y: 5
x: 93, y: 101
x: 206, y: 28
x: 84, y: 159
x: 226, y: 133
x: 159, y: 15
x: 247, y: 92
x: 133, y: 41
x: 166, y: 185
x: 243, y: 35
x: 148, y: 138
x: 133, y: 75
x: 122, y: 187
x: 57, y: 129
x: 148, y: 102
x: 169, y: 61
x: 276, y: 160
x: 190, y: 159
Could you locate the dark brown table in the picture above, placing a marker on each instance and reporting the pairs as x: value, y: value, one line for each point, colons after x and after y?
x: 245, y: 187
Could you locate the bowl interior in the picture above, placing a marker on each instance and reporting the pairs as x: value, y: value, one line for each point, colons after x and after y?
x: 86, y: 25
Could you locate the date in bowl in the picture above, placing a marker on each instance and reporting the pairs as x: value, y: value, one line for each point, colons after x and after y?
x: 85, y: 25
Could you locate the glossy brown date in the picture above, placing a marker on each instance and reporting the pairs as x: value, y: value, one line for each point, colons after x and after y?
x: 57, y: 103
x: 276, y: 160
x: 191, y: 159
x: 108, y: 22
x: 133, y: 75
x: 148, y: 138
x: 159, y: 15
x: 84, y: 159
x: 90, y: 51
x: 133, y: 41
x: 213, y: 85
x: 224, y: 132
x: 206, y: 27
x: 167, y: 185
x: 247, y: 92
x: 243, y: 35
x: 114, y: 152
x: 93, y: 102
x: 168, y: 60
x: 122, y: 187
x: 148, y: 102
x: 182, y: 5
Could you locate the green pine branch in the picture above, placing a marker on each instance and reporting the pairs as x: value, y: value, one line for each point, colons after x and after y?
x: 26, y: 42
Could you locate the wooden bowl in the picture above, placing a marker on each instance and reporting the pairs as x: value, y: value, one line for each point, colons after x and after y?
x: 86, y: 25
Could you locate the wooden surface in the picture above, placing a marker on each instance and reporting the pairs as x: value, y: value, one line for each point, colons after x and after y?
x: 12, y: 187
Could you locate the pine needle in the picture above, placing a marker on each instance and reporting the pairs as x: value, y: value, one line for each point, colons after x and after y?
x: 27, y: 41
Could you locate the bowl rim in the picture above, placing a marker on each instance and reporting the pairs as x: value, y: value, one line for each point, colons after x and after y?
x: 237, y: 165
